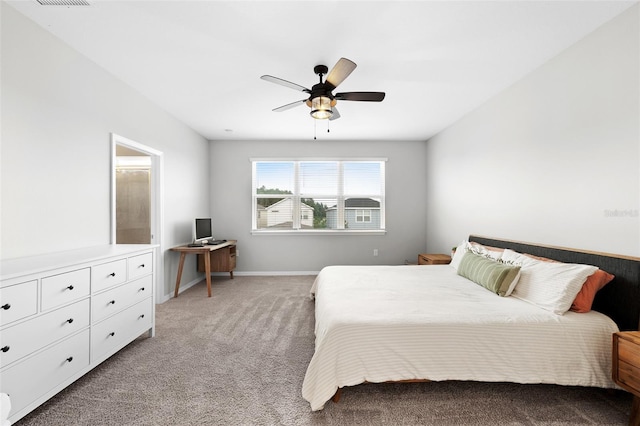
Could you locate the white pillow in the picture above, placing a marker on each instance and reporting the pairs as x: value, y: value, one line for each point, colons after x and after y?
x: 459, y: 254
x: 484, y: 251
x: 550, y: 285
x: 476, y: 248
x: 515, y: 258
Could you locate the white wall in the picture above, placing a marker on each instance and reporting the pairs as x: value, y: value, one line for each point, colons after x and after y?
x: 58, y: 110
x: 405, y: 206
x: 551, y: 159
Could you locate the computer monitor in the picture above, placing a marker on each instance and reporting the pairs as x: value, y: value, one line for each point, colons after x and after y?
x: 202, y: 230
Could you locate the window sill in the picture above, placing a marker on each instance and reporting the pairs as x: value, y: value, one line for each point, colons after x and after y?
x: 320, y: 232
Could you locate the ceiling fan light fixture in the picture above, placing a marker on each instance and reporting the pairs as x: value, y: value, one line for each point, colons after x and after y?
x: 321, y: 108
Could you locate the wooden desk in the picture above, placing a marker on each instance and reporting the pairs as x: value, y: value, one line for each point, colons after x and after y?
x: 205, y: 251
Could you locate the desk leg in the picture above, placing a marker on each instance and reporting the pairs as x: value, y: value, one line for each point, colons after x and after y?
x: 207, y: 271
x: 180, y: 265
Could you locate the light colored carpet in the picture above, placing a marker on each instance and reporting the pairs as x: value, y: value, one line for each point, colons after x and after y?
x: 239, y: 358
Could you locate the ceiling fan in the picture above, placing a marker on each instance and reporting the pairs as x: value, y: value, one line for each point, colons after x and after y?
x: 321, y: 100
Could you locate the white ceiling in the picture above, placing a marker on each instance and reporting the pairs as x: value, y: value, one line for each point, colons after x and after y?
x: 436, y: 60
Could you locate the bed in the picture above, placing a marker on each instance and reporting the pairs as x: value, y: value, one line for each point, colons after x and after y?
x: 427, y: 323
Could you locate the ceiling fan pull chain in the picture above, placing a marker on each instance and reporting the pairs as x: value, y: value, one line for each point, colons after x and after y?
x: 328, y: 125
x: 314, y: 129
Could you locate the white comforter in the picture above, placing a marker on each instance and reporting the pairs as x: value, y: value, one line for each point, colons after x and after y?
x: 384, y: 323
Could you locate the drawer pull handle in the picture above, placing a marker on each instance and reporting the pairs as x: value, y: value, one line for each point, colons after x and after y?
x: 113, y: 302
x: 142, y: 316
x: 112, y: 334
x: 5, y: 348
x: 141, y: 266
x: 70, y: 287
x: 6, y: 306
x: 70, y: 320
x: 113, y: 274
x: 142, y: 289
x: 70, y: 359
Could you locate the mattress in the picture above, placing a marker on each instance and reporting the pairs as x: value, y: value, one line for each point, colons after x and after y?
x: 392, y: 323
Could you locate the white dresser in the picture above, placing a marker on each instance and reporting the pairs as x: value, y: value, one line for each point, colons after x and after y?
x: 64, y: 313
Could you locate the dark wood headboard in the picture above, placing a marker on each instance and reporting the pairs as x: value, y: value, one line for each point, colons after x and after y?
x: 619, y: 300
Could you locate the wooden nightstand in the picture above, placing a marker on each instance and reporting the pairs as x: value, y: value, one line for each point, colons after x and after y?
x: 626, y: 368
x: 433, y: 259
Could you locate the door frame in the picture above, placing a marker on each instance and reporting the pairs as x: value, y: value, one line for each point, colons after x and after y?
x: 157, y: 202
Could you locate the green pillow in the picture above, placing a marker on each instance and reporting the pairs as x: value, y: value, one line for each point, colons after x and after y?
x: 496, y: 277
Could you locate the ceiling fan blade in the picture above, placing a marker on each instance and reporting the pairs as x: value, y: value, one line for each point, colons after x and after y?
x: 340, y: 71
x: 285, y: 83
x: 361, y: 96
x: 335, y: 114
x: 289, y: 106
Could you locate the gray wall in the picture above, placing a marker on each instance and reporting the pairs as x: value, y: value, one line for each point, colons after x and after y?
x: 551, y: 160
x: 554, y: 159
x: 58, y: 110
x: 405, y: 214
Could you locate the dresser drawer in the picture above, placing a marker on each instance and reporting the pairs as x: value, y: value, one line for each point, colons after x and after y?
x: 64, y: 288
x: 108, y: 274
x: 18, y: 301
x: 629, y: 352
x: 140, y: 265
x: 29, y: 336
x: 118, y: 298
x: 115, y: 332
x: 629, y: 375
x: 628, y: 364
x: 29, y: 380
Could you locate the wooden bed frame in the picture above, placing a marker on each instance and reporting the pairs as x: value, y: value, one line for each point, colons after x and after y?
x: 619, y: 300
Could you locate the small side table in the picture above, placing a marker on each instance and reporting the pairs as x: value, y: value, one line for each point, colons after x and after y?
x: 434, y: 259
x: 626, y: 368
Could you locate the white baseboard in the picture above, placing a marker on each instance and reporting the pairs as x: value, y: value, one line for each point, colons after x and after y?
x: 264, y: 273
x: 184, y: 287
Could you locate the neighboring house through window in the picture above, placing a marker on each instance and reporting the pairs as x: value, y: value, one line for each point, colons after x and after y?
x: 318, y: 195
x: 355, y: 217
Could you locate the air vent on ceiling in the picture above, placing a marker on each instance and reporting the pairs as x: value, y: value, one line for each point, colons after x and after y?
x: 64, y: 2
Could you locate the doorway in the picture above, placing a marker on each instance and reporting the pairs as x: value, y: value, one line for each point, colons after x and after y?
x: 133, y: 196
x: 137, y: 199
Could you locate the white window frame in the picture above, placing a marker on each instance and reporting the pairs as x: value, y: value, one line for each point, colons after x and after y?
x: 296, y: 214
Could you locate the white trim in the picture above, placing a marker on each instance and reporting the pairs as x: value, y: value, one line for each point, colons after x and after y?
x: 340, y: 224
x: 184, y: 287
x: 157, y: 200
x: 259, y: 273
x: 319, y: 232
x: 286, y: 159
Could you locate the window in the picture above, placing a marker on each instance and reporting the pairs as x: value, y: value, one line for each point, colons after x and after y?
x: 363, y: 215
x: 318, y: 195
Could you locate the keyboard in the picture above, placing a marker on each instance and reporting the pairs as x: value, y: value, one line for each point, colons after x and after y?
x: 215, y: 242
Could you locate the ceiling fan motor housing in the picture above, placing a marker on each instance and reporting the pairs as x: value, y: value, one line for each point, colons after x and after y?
x: 321, y: 89
x: 318, y: 90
